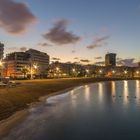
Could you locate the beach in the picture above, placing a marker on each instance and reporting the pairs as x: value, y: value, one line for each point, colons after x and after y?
x: 17, y: 98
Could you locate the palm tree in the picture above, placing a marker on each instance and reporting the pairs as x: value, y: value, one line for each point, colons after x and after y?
x: 24, y: 71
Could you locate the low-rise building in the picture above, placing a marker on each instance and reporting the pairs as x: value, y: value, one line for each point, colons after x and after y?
x: 26, y: 64
x: 14, y: 63
x: 40, y: 59
x: 58, y: 69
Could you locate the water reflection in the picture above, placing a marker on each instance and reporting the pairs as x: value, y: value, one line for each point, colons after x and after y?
x: 125, y: 92
x: 87, y: 92
x: 73, y: 98
x: 113, y: 90
x: 137, y: 91
x: 108, y: 91
x: 100, y: 90
x: 75, y: 115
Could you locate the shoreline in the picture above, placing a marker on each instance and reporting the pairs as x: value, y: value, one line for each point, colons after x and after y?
x: 33, y: 91
x: 8, y: 123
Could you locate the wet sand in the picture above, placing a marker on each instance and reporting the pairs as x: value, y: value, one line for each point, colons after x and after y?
x: 29, y: 91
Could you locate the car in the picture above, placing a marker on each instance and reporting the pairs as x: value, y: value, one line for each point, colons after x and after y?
x: 2, y: 84
x: 12, y: 83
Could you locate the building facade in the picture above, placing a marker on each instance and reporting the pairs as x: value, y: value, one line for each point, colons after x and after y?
x: 15, y: 63
x: 1, y: 50
x: 110, y: 59
x: 40, y: 59
x: 26, y: 64
x: 58, y: 69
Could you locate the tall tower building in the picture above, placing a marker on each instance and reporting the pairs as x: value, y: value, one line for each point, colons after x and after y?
x: 110, y: 59
x: 1, y: 50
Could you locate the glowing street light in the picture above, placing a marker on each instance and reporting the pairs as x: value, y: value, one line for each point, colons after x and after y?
x: 100, y: 71
x: 73, y: 70
x: 137, y: 72
x: 57, y: 71
x: 87, y: 70
x: 35, y: 66
x: 113, y: 71
x: 57, y: 68
x: 125, y: 72
x: 1, y: 64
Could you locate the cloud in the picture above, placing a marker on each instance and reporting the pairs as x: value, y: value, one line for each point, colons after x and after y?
x: 73, y: 51
x: 99, y: 57
x: 118, y: 59
x: 55, y: 59
x: 127, y: 62
x: 15, y: 17
x: 23, y: 49
x: 59, y: 35
x: 76, y: 58
x: 85, y: 60
x: 100, y: 63
x: 98, y: 42
x: 12, y: 48
x: 15, y: 49
x: 104, y: 29
x: 45, y: 44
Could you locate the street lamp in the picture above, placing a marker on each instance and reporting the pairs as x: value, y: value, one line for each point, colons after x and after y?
x: 74, y: 73
x: 57, y: 69
x: 137, y: 72
x: 125, y: 72
x: 73, y: 70
x: 0, y: 63
x: 100, y: 71
x: 113, y: 71
x: 33, y: 66
x: 87, y: 70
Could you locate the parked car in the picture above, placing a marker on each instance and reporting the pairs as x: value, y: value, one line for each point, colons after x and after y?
x: 2, y: 84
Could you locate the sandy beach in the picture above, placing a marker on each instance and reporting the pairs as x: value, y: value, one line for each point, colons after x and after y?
x: 14, y: 99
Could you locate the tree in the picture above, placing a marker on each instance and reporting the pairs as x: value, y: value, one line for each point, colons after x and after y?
x: 24, y: 71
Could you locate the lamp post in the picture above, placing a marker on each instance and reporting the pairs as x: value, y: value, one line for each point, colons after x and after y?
x: 100, y: 72
x: 74, y: 72
x: 87, y: 72
x: 33, y: 66
x: 125, y: 73
x: 113, y: 73
x: 137, y: 72
x: 57, y: 71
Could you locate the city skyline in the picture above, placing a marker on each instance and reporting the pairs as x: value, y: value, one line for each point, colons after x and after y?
x: 85, y: 30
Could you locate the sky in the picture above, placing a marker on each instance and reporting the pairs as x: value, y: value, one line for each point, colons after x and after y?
x: 73, y: 30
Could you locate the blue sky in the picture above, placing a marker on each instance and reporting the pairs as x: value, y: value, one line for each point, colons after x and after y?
x: 90, y: 20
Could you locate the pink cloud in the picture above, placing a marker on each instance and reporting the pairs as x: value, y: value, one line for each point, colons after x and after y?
x: 58, y: 34
x: 15, y: 17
